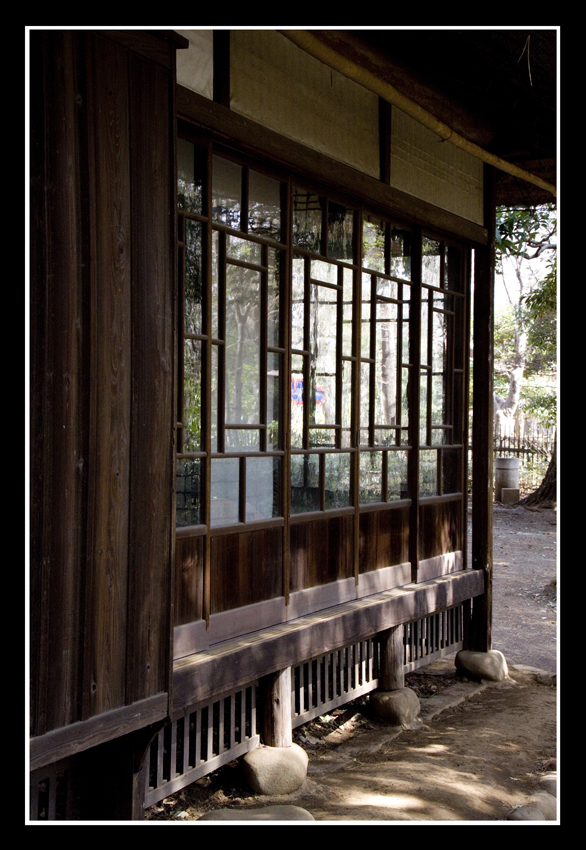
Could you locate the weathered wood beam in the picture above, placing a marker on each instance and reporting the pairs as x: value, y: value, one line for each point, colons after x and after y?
x: 77, y: 737
x: 236, y: 662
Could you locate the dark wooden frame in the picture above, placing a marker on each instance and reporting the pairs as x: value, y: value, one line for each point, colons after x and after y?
x: 434, y: 563
x: 101, y: 385
x: 103, y: 364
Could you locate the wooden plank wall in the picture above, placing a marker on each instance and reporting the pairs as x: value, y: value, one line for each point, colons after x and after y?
x: 101, y: 375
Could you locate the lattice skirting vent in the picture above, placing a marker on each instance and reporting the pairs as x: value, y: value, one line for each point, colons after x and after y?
x: 211, y: 734
x: 51, y: 792
x: 431, y: 637
x: 206, y: 737
x: 333, y: 679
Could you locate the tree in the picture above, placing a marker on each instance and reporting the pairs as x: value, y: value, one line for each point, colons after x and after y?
x: 542, y: 303
x: 526, y: 332
x: 523, y: 236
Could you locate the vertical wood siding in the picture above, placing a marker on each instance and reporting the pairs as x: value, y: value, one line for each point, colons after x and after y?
x: 102, y: 362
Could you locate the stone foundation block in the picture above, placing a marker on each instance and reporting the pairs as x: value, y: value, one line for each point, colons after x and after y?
x: 275, y: 770
x: 400, y: 707
x: 491, y: 665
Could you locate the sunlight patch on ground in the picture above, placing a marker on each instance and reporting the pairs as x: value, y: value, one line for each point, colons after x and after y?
x: 434, y: 749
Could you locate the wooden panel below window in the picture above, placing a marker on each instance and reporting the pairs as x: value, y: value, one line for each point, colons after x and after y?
x: 321, y: 552
x: 441, y: 528
x: 384, y: 538
x: 246, y: 568
x: 189, y: 575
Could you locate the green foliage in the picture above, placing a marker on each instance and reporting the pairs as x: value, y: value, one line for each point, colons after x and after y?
x: 524, y: 235
x: 525, y: 232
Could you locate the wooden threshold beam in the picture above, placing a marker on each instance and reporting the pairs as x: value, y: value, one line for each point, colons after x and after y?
x: 80, y: 736
x: 236, y: 662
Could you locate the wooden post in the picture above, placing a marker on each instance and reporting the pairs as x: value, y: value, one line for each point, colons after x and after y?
x: 482, y: 428
x: 392, y: 670
x: 276, y: 706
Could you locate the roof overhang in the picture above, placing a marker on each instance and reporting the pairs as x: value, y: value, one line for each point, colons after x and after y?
x: 496, y: 88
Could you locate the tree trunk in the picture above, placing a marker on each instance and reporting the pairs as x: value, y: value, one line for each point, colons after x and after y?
x: 505, y: 409
x: 546, y: 493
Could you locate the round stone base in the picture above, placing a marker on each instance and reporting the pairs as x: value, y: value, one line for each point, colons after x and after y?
x: 400, y: 707
x: 275, y: 770
x: 491, y: 665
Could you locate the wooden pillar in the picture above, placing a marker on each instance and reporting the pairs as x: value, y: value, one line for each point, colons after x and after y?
x: 392, y: 670
x: 482, y: 426
x: 276, y: 708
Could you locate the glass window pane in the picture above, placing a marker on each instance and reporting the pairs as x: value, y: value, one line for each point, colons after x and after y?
x: 365, y: 370
x: 337, y: 473
x: 273, y: 400
x: 226, y: 192
x: 242, y: 345
x: 397, y: 476
x: 340, y: 232
x: 405, y: 333
x: 242, y: 440
x: 454, y: 278
x: 262, y: 488
x: 346, y: 404
x: 365, y: 343
x: 192, y: 395
x: 322, y: 271
x: 191, y: 168
x: 348, y: 312
x: 297, y: 401
x: 387, y: 288
x: 431, y: 265
x: 304, y: 483
x: 307, y: 220
x: 298, y: 305
x: 214, y: 399
x: 428, y: 483
x: 273, y: 303
x: 323, y: 355
x: 193, y: 283
x: 401, y: 253
x: 224, y: 491
x: 188, y: 486
x: 244, y: 250
x: 373, y: 244
x: 385, y: 437
x: 423, y: 407
x: 439, y: 413
x: 386, y: 364
x: 322, y: 438
x: 424, y: 328
x: 452, y: 478
x: 264, y: 206
x: 215, y: 286
x: 404, y: 398
x: 371, y: 466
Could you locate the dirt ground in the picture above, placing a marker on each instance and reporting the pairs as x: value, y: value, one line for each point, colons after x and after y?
x: 470, y: 762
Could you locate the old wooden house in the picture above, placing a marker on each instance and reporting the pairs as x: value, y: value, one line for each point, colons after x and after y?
x: 255, y: 260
